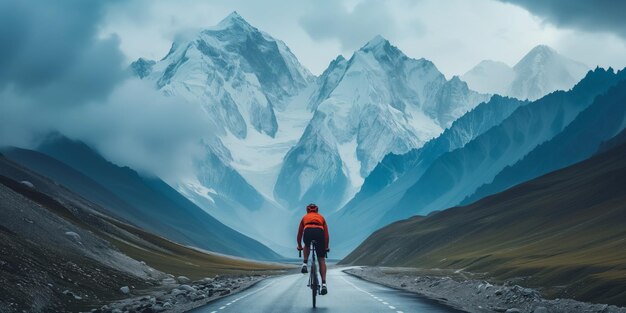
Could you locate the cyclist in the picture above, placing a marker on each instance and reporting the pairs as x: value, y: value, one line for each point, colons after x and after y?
x: 313, y: 227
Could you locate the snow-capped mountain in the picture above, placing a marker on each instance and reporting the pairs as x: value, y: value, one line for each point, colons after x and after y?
x: 285, y: 138
x: 388, y: 182
x: 379, y: 101
x: 467, y: 156
x: 254, y: 91
x: 490, y: 77
x: 539, y: 72
x: 457, y: 174
x: 238, y: 72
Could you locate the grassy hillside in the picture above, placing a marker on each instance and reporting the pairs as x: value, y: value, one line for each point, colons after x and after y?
x: 148, y: 203
x: 53, y: 241
x: 564, y: 232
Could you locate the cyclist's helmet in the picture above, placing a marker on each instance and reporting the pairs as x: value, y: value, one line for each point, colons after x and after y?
x: 311, y: 208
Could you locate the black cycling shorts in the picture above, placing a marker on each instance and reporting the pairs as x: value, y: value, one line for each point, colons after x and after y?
x: 316, y: 234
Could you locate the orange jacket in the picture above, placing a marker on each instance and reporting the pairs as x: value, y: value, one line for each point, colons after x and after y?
x: 313, y: 220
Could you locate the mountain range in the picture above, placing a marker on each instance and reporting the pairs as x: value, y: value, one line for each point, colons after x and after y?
x: 580, y: 140
x: 384, y: 102
x: 396, y: 173
x: 286, y: 138
x: 146, y: 202
x: 561, y: 232
x: 364, y: 140
x: 446, y: 180
x: 541, y: 71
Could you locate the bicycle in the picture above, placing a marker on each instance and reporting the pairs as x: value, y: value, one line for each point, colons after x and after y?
x: 313, y: 279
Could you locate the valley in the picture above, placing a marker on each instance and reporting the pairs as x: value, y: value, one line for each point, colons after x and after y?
x: 160, y: 156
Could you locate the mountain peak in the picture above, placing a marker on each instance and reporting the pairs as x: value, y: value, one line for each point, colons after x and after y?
x: 380, y: 47
x: 541, y: 50
x: 540, y: 54
x: 377, y: 41
x: 233, y: 19
x: 491, y: 63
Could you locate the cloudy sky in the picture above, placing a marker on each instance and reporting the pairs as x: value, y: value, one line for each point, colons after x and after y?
x: 455, y: 34
x: 64, y: 62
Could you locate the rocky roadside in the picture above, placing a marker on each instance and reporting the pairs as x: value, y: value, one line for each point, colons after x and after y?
x: 179, y: 294
x: 477, y: 296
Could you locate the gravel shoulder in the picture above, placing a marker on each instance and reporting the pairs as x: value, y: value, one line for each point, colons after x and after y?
x: 474, y: 295
x: 176, y: 295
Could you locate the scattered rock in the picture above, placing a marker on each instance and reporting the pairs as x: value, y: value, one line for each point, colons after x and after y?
x: 168, y: 280
x: 198, y: 297
x: 513, y: 310
x: 181, y: 298
x: 71, y: 294
x: 183, y: 279
x: 27, y: 184
x: 540, y: 309
x: 187, y: 288
x: 125, y: 290
x: 73, y: 235
x: 147, y: 310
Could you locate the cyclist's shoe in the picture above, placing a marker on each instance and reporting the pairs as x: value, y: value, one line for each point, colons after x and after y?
x: 304, y: 270
x: 324, y: 290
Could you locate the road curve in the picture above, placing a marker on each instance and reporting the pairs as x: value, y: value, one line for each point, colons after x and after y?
x: 345, y: 294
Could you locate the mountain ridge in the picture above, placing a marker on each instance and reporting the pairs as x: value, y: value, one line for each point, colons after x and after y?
x: 146, y: 202
x: 563, y: 228
x: 539, y: 72
x: 605, y: 117
x: 376, y: 102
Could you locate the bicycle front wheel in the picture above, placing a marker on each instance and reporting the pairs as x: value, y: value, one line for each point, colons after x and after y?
x: 314, y: 294
x: 314, y: 283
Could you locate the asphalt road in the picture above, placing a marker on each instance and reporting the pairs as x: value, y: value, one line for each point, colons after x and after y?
x: 345, y: 294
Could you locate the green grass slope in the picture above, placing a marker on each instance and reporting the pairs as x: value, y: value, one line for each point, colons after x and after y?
x: 564, y: 232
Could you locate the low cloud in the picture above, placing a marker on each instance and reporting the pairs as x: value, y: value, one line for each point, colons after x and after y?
x: 58, y: 75
x: 585, y: 15
x: 330, y: 19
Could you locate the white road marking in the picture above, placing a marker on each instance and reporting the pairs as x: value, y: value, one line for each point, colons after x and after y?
x: 251, y: 293
x: 371, y: 295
